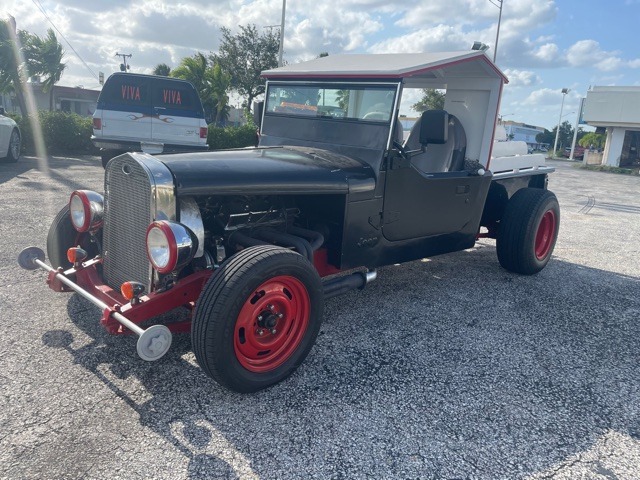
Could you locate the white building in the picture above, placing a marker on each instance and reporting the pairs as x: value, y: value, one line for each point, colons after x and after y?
x: 522, y: 132
x: 617, y: 111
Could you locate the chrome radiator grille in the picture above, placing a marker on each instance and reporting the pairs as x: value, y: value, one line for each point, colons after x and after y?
x: 128, y: 212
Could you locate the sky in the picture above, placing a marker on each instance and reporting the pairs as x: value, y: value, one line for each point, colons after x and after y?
x: 543, y: 47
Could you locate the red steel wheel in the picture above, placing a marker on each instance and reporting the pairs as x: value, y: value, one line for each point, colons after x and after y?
x: 528, y: 231
x: 545, y: 235
x: 272, y: 323
x: 257, y: 318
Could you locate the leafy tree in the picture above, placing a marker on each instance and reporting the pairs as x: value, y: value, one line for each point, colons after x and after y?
x: 210, y: 81
x: 46, y: 58
x: 596, y: 139
x: 546, y: 137
x: 566, y: 135
x: 432, y: 99
x: 162, y: 69
x: 245, y: 55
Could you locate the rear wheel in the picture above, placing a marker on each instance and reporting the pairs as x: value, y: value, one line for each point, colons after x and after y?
x: 257, y: 318
x: 528, y: 231
x: 62, y: 236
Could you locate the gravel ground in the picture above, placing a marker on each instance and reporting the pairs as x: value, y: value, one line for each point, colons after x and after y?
x: 448, y: 368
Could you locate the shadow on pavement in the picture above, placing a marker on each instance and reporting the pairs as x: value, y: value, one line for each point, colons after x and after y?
x: 447, y: 368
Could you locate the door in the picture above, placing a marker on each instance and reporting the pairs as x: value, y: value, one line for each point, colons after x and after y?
x: 126, y: 108
x: 419, y: 204
x: 178, y: 113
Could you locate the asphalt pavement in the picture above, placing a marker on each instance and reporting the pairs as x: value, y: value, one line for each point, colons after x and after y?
x: 447, y: 368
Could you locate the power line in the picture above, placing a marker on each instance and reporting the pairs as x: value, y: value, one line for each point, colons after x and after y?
x: 41, y: 8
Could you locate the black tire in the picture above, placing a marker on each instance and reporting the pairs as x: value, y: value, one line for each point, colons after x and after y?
x: 13, y: 152
x: 106, y: 155
x: 232, y: 297
x: 62, y: 236
x: 528, y: 231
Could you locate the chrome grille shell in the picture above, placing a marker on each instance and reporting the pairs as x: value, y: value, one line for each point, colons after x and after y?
x: 138, y: 190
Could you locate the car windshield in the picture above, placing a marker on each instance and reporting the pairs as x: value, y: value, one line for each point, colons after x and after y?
x: 372, y: 103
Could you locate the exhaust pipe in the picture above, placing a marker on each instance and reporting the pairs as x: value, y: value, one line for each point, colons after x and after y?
x: 342, y: 285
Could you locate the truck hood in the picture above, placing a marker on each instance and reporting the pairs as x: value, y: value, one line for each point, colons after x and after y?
x: 259, y: 171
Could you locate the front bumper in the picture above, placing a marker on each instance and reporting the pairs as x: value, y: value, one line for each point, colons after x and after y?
x: 120, y: 316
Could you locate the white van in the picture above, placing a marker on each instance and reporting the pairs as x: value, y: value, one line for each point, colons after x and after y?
x: 148, y: 113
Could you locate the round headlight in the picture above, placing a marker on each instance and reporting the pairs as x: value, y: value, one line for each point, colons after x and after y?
x: 170, y: 245
x: 159, y: 248
x: 85, y: 208
x: 79, y: 214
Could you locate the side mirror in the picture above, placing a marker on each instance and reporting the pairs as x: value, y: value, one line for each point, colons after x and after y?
x: 1, y: 110
x: 434, y: 127
x: 258, y: 108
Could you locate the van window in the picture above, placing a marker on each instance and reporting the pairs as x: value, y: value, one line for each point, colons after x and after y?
x: 175, y: 95
x: 124, y: 90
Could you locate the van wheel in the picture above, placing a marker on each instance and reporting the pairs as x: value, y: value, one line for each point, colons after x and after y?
x: 107, y: 155
x: 257, y: 318
x: 528, y: 231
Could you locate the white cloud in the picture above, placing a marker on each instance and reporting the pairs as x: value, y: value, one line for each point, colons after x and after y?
x: 588, y: 53
x: 521, y: 78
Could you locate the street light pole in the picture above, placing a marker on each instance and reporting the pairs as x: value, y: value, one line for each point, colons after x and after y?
x: 564, y: 94
x: 495, y: 47
x: 281, y: 49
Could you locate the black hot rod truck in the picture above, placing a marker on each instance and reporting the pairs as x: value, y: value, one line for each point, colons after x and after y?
x: 254, y: 240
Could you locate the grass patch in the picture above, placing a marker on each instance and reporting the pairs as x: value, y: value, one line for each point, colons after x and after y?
x: 610, y: 169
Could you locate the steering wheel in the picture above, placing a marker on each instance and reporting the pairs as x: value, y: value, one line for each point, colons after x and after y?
x: 376, y: 116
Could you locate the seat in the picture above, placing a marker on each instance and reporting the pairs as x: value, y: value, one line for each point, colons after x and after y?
x: 448, y: 157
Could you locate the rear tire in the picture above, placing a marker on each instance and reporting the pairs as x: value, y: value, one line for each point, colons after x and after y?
x: 257, y: 318
x: 528, y: 231
x: 62, y: 236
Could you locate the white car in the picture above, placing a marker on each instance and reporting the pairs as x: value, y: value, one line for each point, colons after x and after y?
x: 9, y: 139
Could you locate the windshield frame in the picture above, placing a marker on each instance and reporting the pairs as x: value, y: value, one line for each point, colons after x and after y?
x: 391, y: 87
x: 395, y: 85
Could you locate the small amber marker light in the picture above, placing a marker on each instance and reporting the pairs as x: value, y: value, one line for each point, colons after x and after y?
x: 76, y: 255
x: 131, y: 290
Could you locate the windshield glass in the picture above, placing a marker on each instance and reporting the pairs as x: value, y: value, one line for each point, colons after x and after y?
x: 372, y: 103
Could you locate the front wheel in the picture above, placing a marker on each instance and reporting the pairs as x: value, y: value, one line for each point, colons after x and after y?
x: 528, y: 231
x: 62, y: 236
x: 257, y: 318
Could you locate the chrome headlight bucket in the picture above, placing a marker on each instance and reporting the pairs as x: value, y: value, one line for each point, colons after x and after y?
x: 86, y: 209
x: 170, y: 246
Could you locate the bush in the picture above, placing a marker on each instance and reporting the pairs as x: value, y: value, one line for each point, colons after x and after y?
x: 62, y: 133
x: 231, y: 137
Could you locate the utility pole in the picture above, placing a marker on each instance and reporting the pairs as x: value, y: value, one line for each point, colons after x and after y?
x: 555, y: 144
x: 123, y: 66
x: 284, y: 6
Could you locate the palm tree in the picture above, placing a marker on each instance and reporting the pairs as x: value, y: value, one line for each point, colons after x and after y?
x: 220, y: 82
x: 48, y: 55
x: 162, y: 69
x: 211, y: 83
